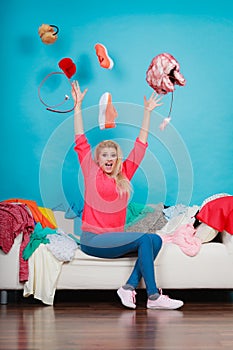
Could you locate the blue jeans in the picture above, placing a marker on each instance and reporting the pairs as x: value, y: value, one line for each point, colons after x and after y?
x: 147, y: 247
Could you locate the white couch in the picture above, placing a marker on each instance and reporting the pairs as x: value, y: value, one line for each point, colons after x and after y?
x: 211, y: 268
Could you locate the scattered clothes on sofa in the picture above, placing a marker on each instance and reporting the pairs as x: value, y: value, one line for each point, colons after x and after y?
x: 174, y: 210
x: 44, y: 270
x: 72, y: 210
x: 214, y: 196
x: 21, y: 216
x: 136, y: 212
x: 58, y: 242
x: 38, y: 236
x: 16, y: 219
x: 62, y: 246
x: 75, y: 210
x: 150, y: 221
x: 218, y: 213
x: 48, y: 213
x: 59, y: 207
x: 43, y: 248
x: 36, y: 213
x: 184, y: 237
x: 47, y: 250
x: 185, y: 217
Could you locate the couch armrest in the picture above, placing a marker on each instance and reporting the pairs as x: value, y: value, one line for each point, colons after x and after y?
x: 227, y: 240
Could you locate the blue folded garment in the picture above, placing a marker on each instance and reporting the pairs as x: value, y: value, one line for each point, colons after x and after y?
x: 74, y: 210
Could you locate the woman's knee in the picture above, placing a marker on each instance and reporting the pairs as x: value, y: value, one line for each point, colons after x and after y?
x: 157, y: 241
x: 153, y: 238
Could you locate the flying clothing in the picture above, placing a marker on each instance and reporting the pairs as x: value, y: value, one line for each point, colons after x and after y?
x: 164, y: 73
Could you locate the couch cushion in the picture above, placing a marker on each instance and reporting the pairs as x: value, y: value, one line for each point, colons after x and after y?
x: 205, y: 233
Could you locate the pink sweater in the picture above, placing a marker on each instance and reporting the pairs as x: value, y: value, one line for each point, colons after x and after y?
x: 104, y: 209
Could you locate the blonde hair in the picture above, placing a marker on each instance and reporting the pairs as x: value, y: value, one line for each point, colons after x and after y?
x: 123, y: 184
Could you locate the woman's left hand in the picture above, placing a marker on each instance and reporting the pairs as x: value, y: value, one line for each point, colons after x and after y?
x: 152, y: 102
x: 77, y: 93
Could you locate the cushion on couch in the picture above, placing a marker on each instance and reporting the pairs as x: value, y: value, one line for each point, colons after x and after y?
x: 205, y: 233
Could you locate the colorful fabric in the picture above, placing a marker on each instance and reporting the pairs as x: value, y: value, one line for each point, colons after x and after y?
x: 214, y: 196
x: 164, y: 73
x: 38, y: 236
x: 218, y: 214
x: 185, y: 238
x: 44, y: 270
x: 101, y: 190
x: 16, y: 219
x: 48, y: 213
x: 36, y: 213
x: 136, y: 212
x: 151, y: 222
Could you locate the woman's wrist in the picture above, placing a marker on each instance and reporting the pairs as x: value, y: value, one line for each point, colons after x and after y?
x: 147, y: 109
x: 78, y: 107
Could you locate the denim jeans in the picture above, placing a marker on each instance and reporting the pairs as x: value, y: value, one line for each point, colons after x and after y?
x: 147, y: 247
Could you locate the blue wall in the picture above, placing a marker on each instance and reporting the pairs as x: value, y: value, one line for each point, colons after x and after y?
x: 191, y: 160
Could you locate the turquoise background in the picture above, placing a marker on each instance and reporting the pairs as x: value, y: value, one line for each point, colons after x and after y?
x: 191, y: 160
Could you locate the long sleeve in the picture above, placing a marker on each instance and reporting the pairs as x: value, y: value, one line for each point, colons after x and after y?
x: 134, y: 159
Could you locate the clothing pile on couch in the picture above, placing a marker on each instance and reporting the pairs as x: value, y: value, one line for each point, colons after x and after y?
x: 44, y: 247
x: 40, y: 235
x: 188, y: 227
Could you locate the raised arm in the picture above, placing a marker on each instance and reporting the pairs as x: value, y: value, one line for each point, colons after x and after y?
x: 149, y: 105
x: 78, y: 96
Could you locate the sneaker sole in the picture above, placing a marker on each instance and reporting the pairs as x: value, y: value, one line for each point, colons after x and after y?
x: 102, y: 109
x: 164, y: 307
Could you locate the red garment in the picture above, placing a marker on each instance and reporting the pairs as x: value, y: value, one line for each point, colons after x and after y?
x: 104, y: 209
x: 14, y: 219
x: 36, y: 213
x: 218, y: 214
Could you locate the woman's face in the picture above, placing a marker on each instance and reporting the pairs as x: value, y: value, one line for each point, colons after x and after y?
x: 107, y: 159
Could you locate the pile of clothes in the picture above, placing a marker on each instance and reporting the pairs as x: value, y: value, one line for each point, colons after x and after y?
x: 43, y: 248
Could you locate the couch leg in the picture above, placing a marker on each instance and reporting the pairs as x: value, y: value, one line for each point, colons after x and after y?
x: 3, y: 300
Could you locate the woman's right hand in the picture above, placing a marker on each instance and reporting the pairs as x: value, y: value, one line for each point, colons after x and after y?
x: 77, y: 95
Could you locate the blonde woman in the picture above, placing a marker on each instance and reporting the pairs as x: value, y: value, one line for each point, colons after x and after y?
x: 107, y: 190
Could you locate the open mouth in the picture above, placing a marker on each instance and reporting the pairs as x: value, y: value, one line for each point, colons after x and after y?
x: 108, y: 166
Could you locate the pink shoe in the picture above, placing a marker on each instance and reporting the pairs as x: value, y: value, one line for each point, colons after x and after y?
x: 164, y: 302
x: 104, y: 59
x: 127, y: 297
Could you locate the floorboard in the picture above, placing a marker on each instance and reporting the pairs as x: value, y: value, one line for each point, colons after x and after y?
x: 97, y: 320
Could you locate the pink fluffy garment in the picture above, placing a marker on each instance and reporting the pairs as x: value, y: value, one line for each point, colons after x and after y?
x: 164, y: 73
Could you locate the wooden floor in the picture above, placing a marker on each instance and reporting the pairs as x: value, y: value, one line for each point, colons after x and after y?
x: 103, y: 323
